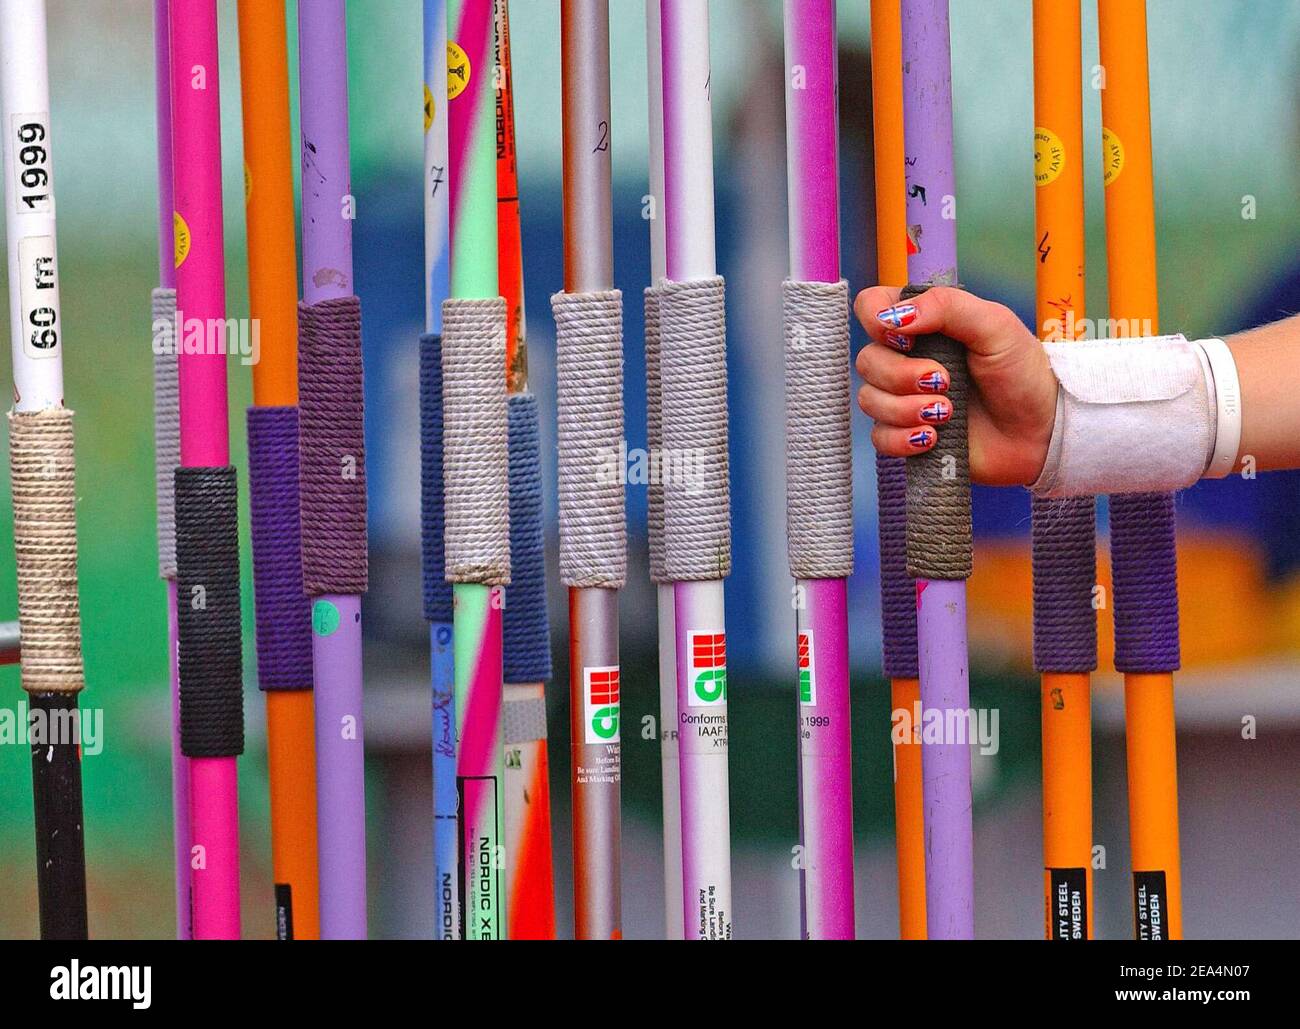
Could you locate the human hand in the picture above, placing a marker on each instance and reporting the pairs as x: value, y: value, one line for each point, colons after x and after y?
x: 1012, y: 401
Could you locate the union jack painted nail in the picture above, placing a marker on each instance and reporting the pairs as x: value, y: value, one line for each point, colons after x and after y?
x: 939, y: 411
x: 898, y: 342
x: 932, y: 383
x: 922, y: 439
x: 898, y: 315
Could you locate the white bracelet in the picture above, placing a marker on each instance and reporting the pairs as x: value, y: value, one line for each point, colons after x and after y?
x: 1227, y: 395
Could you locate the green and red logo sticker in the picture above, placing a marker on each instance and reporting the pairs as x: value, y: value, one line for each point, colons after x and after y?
x: 807, y: 674
x: 600, y: 687
x: 708, y: 668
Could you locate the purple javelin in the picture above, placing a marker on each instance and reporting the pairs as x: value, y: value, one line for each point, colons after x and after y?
x: 940, y: 605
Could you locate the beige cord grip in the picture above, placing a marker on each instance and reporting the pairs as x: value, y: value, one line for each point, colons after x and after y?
x: 475, y: 456
x: 42, y: 472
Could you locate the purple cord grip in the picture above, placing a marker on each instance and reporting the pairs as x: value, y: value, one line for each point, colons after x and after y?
x: 1144, y: 571
x: 282, y: 611
x: 332, y: 448
x: 1065, y: 575
x: 897, y: 588
x: 525, y: 628
x: 433, y: 548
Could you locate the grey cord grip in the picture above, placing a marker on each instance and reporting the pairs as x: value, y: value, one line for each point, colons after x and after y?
x: 589, y: 401
x: 818, y: 462
x: 693, y: 464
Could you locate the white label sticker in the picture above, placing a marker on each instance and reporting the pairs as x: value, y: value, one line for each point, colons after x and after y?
x: 30, y: 146
x: 41, y: 326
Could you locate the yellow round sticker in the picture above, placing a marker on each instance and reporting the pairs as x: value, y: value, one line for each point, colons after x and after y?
x: 1112, y: 156
x: 428, y: 108
x: 1049, y: 156
x: 182, y: 233
x: 458, y: 70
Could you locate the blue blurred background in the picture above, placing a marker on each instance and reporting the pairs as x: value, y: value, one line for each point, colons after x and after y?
x: 1226, y: 128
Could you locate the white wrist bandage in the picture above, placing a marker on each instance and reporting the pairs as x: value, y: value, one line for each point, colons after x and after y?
x: 1140, y: 415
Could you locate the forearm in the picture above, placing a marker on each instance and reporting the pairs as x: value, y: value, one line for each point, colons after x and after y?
x: 1155, y: 415
x: 1268, y: 365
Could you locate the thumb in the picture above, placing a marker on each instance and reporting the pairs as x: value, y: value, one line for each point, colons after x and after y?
x: 985, y: 328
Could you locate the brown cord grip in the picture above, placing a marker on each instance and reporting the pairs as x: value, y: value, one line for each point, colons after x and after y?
x: 938, y: 481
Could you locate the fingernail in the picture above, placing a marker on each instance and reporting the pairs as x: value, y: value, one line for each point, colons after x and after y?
x: 898, y: 342
x: 921, y: 440
x: 932, y: 383
x: 898, y: 315
x: 939, y: 411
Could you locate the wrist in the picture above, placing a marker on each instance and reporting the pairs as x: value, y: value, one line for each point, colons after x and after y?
x: 1140, y: 415
x: 1225, y: 390
x: 1047, y: 452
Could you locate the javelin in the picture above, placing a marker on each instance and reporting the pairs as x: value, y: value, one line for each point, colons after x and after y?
x: 818, y: 469
x: 526, y: 632
x: 437, y: 592
x: 42, y: 474
x: 697, y: 529
x: 670, y: 780
x: 1064, y: 531
x: 283, y: 614
x: 476, y: 472
x: 938, y: 482
x: 167, y: 451
x: 207, y: 553
x: 593, y: 544
x: 897, y: 590
x: 332, y: 491
x: 1144, y: 555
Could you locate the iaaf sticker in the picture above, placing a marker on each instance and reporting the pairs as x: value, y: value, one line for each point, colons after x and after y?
x: 1049, y: 156
x: 600, y: 704
x: 708, y: 668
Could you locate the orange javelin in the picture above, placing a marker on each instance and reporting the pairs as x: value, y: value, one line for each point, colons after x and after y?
x: 530, y: 908
x: 1131, y: 258
x: 891, y: 261
x: 273, y: 301
x: 510, y: 257
x: 1059, y: 260
x: 887, y: 134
